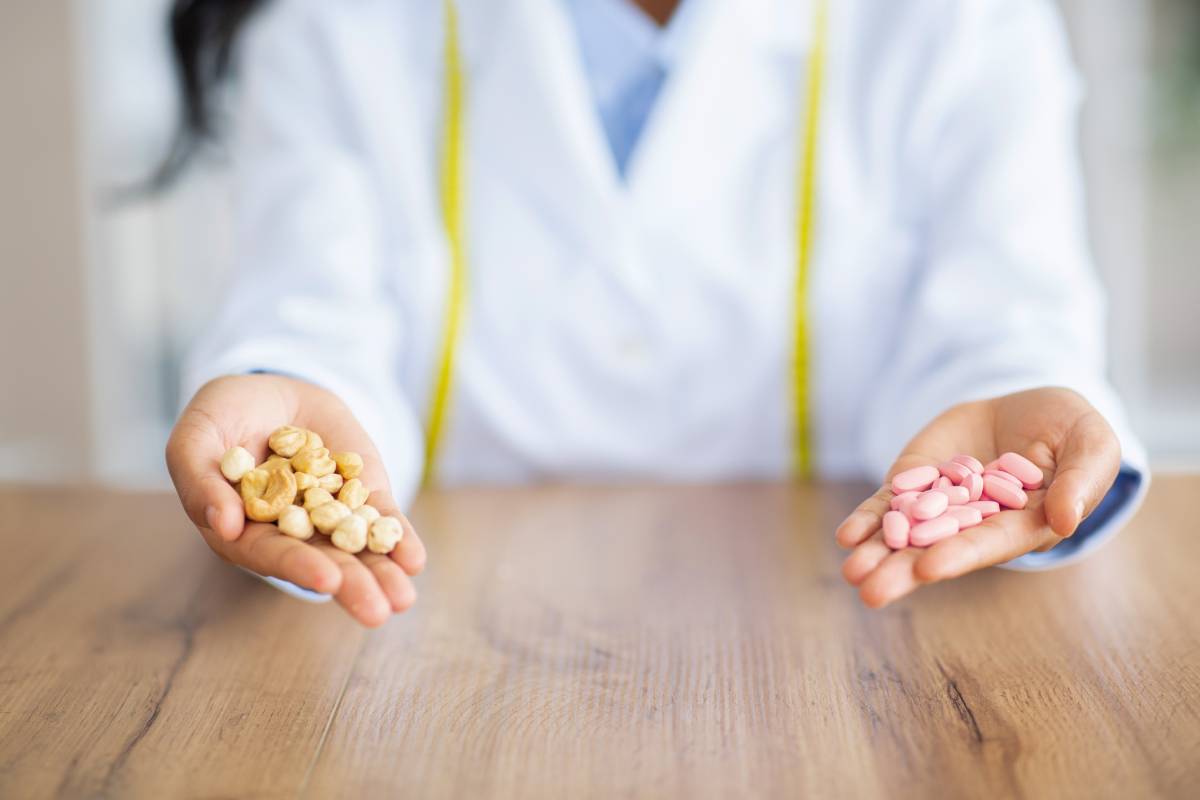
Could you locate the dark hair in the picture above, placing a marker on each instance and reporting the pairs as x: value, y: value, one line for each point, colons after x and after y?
x: 203, y: 33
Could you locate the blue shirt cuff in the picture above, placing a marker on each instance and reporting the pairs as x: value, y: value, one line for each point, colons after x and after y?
x: 287, y: 587
x: 1101, y: 525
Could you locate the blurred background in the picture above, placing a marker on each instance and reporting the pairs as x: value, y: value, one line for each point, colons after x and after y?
x: 99, y: 299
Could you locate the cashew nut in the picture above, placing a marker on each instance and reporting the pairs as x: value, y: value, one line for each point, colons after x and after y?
x: 316, y: 497
x: 350, y: 534
x: 313, y: 441
x: 385, y: 534
x: 326, y: 517
x: 267, y: 492
x: 304, y: 482
x: 315, y: 462
x: 275, y: 462
x: 331, y: 482
x: 236, y: 462
x: 367, y: 512
x: 287, y: 440
x: 254, y: 483
x: 294, y: 522
x: 353, y: 494
x: 349, y: 465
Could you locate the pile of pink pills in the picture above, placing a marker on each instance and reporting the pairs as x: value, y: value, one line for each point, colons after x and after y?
x: 933, y: 503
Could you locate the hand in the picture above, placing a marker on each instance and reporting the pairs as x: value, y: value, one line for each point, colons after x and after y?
x: 244, y: 409
x: 1055, y: 428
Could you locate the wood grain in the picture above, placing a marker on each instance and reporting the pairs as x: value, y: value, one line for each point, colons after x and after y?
x: 595, y: 642
x: 134, y: 663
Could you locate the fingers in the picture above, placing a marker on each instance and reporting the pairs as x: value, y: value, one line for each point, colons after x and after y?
x: 1088, y: 461
x: 410, y: 552
x: 193, y: 459
x: 865, y: 559
x: 266, y: 551
x: 883, y: 575
x: 1000, y: 538
x: 396, y: 585
x: 360, y: 592
x: 369, y: 586
x: 866, y: 519
x: 892, y: 579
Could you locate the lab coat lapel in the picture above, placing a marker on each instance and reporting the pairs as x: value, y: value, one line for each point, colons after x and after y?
x: 722, y: 99
x: 533, y: 123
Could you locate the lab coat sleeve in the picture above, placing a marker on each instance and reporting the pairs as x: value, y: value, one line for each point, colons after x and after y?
x: 308, y: 296
x: 1004, y: 297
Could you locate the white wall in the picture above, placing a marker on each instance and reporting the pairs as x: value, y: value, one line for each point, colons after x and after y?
x: 44, y: 381
x: 1145, y: 200
x: 158, y: 260
x: 1172, y: 258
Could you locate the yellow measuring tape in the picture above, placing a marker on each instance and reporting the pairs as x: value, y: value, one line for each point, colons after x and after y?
x: 452, y: 189
x: 806, y: 192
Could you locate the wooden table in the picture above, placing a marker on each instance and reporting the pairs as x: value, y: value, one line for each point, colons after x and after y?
x: 573, y: 642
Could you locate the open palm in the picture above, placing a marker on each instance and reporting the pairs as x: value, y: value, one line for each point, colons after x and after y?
x: 1055, y: 428
x: 243, y: 410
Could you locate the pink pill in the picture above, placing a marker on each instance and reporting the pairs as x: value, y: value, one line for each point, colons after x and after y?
x: 957, y: 495
x: 974, y: 486
x: 895, y: 530
x: 929, y: 505
x: 999, y: 473
x: 906, y: 506
x: 903, y: 497
x: 985, y: 507
x: 926, y: 533
x: 970, y: 462
x: 967, y: 517
x: 943, y: 483
x: 954, y: 471
x: 1004, y: 492
x: 1024, y: 470
x: 917, y: 479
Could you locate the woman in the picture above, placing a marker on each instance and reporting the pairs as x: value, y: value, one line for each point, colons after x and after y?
x: 500, y: 241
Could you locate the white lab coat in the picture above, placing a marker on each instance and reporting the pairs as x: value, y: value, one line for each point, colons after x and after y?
x: 642, y: 329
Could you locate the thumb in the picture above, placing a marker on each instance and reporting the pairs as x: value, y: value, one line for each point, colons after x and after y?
x: 194, y: 460
x: 1087, y: 463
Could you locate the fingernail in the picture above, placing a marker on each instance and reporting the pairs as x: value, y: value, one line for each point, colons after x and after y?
x: 210, y: 516
x: 1078, y: 511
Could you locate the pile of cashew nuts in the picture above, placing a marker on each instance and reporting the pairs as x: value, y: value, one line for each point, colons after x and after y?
x: 295, y: 486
